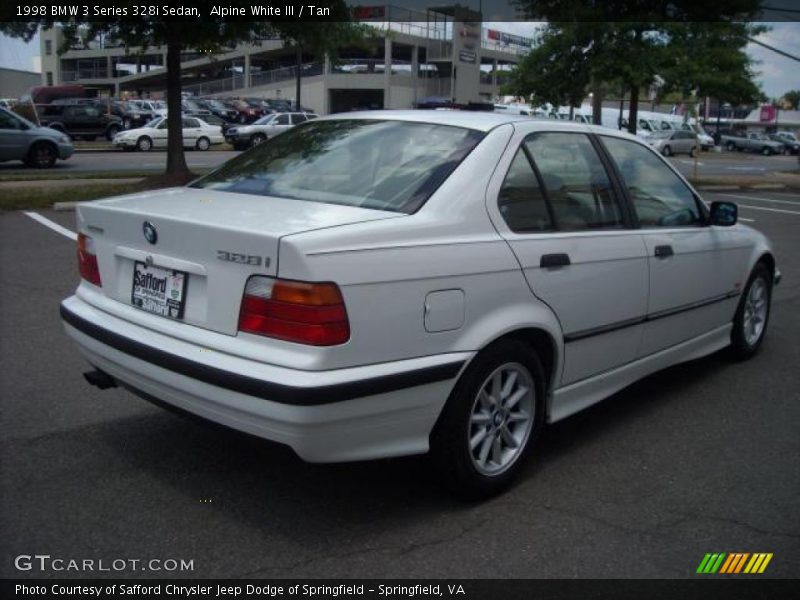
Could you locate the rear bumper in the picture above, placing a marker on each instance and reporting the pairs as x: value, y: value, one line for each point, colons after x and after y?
x: 357, y: 413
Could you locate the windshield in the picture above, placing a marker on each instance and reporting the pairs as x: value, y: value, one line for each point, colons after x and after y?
x: 385, y: 165
x: 153, y: 123
x: 263, y: 120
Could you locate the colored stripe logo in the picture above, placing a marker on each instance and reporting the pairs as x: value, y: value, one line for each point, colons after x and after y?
x: 734, y: 563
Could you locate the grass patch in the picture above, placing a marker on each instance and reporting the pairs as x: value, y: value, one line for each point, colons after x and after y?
x: 42, y: 175
x: 32, y: 197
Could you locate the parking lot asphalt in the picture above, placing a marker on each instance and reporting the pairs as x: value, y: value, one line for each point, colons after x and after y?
x: 700, y: 458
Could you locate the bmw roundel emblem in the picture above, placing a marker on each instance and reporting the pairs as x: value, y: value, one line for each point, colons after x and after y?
x: 150, y: 233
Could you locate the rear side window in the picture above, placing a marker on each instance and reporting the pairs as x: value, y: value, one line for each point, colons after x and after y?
x: 659, y: 196
x: 575, y: 182
x: 297, y: 119
x: 521, y: 200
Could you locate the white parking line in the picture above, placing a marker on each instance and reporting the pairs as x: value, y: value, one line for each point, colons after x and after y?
x: 54, y: 226
x: 747, y: 220
x: 797, y: 204
x: 777, y: 210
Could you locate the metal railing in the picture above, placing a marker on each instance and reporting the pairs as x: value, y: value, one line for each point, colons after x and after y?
x: 371, y: 66
x: 285, y: 73
x: 239, y: 81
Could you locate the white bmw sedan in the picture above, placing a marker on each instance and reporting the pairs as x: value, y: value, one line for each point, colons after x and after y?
x: 197, y: 134
x: 391, y: 283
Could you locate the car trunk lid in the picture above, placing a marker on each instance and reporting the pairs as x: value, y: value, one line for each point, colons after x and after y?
x: 216, y: 239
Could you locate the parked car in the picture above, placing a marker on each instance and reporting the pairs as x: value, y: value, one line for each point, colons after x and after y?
x: 789, y: 146
x: 197, y: 134
x: 38, y: 147
x: 752, y: 142
x: 246, y: 112
x: 82, y: 120
x: 385, y: 283
x: 192, y: 108
x: 244, y: 136
x: 674, y: 142
x: 791, y: 138
x: 218, y: 108
x: 158, y: 108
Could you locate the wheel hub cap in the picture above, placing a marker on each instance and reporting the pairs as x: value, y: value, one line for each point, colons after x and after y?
x: 502, y: 418
x: 755, y: 311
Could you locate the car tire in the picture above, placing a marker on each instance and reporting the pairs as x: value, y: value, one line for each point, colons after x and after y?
x: 694, y: 152
x: 667, y: 151
x: 730, y: 146
x: 766, y: 151
x: 479, y: 444
x: 202, y: 144
x: 258, y: 138
x: 144, y: 144
x: 42, y: 155
x: 752, y: 314
x: 112, y: 131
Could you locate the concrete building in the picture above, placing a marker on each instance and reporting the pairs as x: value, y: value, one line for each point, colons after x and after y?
x: 444, y: 52
x: 14, y: 83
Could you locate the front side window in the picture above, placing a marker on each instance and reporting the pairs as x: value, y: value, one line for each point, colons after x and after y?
x: 575, y: 182
x: 659, y: 196
x: 281, y: 120
x: 9, y: 122
x: 385, y: 165
x: 162, y: 125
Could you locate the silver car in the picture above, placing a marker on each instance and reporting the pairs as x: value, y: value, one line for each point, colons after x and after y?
x: 674, y: 142
x: 244, y: 136
x: 36, y: 146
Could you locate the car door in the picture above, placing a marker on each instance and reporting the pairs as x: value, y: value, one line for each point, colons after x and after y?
x: 564, y: 218
x: 695, y: 269
x: 279, y: 124
x: 160, y: 134
x: 191, y: 131
x: 13, y: 137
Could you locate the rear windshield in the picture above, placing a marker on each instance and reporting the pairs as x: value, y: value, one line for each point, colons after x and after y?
x: 385, y: 165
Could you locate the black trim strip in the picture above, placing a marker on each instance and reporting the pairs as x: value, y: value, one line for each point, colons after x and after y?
x: 275, y: 392
x: 586, y: 333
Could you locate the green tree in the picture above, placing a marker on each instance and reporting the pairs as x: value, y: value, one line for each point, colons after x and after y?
x: 208, y: 34
x: 793, y: 98
x: 626, y: 41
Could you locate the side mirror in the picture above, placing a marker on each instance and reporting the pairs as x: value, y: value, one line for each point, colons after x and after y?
x: 724, y: 214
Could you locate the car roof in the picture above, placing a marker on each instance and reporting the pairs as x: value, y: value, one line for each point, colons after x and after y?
x: 482, y: 121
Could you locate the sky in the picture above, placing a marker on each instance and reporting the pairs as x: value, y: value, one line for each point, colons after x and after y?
x: 777, y: 74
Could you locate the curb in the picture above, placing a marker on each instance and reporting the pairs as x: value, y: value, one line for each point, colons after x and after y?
x: 65, y: 206
x: 718, y: 188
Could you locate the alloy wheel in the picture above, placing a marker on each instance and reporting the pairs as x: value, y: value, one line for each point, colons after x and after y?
x: 501, y: 419
x: 755, y: 311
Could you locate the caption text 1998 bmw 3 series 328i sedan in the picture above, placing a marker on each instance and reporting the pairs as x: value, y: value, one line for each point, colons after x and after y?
x: 391, y: 283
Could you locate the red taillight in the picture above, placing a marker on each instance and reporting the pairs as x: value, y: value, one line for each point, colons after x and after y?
x: 295, y: 311
x: 87, y: 260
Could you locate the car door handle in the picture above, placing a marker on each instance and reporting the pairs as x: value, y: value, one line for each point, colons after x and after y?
x: 554, y: 261
x: 663, y: 251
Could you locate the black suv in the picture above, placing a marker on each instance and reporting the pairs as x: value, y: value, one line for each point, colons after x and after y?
x: 84, y: 120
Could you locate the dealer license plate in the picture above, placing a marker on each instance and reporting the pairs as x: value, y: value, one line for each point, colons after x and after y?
x: 159, y: 291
